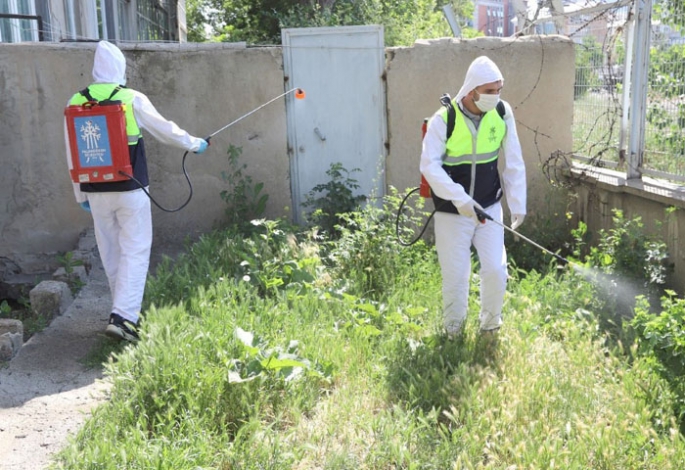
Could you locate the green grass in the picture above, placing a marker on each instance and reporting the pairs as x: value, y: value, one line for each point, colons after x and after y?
x: 342, y: 365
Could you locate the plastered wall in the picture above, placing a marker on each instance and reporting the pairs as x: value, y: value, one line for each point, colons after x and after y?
x: 205, y: 86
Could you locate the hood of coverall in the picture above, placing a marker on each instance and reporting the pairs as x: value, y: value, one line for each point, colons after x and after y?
x: 481, y: 71
x: 109, y: 65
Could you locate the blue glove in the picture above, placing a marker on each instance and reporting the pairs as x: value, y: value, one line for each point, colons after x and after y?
x: 203, y: 146
x: 85, y: 206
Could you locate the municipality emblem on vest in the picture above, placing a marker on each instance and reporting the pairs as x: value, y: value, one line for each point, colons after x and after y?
x: 493, y: 134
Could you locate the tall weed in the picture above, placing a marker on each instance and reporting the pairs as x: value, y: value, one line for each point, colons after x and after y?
x: 368, y: 254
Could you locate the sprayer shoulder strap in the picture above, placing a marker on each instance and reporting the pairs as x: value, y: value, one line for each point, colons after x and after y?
x: 452, y: 113
x: 86, y: 92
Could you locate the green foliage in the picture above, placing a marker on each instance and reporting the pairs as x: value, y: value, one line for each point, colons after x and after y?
x: 268, y: 257
x: 627, y: 252
x: 588, y: 60
x: 350, y: 371
x: 261, y: 21
x: 662, y: 337
x: 255, y: 359
x: 68, y: 262
x: 666, y: 113
x: 331, y: 200
x: 244, y: 198
x: 671, y: 12
x: 367, y: 252
x: 551, y: 232
x: 624, y: 265
x: 5, y: 309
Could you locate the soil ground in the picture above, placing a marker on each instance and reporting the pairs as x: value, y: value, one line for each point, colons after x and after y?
x: 47, y: 391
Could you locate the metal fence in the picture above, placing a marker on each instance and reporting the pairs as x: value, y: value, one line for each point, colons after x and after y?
x: 610, y: 103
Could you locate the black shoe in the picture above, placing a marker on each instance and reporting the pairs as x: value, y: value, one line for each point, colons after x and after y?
x: 120, y: 328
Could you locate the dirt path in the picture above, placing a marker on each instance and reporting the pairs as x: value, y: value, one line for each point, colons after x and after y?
x: 46, y: 392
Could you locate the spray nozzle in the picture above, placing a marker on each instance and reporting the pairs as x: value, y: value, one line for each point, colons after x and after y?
x: 299, y: 94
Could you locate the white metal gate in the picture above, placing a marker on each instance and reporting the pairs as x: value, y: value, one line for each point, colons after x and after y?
x: 342, y: 119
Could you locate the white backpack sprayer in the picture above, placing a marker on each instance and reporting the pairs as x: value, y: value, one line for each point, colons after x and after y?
x: 99, y: 144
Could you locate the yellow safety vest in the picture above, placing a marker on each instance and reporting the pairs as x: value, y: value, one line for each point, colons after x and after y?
x: 102, y: 91
x: 461, y: 149
x: 471, y: 161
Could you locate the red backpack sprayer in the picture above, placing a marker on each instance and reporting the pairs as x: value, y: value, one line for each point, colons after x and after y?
x: 425, y: 190
x: 99, y: 144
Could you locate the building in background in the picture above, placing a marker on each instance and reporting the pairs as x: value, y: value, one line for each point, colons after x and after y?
x: 89, y: 20
x: 494, y: 17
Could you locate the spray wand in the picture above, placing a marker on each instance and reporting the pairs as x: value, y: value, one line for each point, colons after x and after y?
x: 299, y: 94
x: 482, y: 216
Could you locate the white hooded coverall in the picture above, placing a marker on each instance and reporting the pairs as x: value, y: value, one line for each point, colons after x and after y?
x: 456, y: 233
x: 123, y: 220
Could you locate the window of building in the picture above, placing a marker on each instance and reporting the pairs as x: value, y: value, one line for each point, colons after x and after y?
x: 16, y: 29
x: 155, y: 20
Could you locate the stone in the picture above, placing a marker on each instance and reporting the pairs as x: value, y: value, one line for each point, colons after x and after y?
x: 50, y: 299
x: 10, y: 344
x: 9, y: 325
x: 6, y: 348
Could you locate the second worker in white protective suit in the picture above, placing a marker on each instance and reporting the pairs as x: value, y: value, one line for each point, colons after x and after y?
x: 463, y: 174
x: 121, y: 210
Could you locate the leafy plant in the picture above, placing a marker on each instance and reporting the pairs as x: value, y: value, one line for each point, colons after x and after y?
x: 662, y: 337
x: 550, y: 231
x: 68, y: 262
x: 329, y: 201
x: 256, y: 359
x: 626, y: 251
x: 269, y: 256
x: 624, y: 266
x: 367, y: 253
x: 588, y: 59
x: 245, y: 199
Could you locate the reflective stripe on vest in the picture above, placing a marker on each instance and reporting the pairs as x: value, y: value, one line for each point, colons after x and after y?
x: 460, y: 148
x: 101, y: 91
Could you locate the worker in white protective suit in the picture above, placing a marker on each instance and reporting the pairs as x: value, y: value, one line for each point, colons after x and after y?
x: 121, y: 210
x: 462, y: 172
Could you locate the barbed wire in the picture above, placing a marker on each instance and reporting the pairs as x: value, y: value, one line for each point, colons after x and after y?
x: 593, y: 147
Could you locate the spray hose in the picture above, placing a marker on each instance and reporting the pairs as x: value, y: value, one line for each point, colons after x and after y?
x: 299, y: 94
x: 397, y: 221
x: 482, y: 217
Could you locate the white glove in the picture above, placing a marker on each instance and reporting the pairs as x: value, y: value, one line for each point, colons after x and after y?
x: 467, y: 209
x: 517, y: 220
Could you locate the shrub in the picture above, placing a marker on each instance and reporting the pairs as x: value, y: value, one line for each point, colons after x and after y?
x: 662, y: 337
x: 328, y: 201
x: 244, y: 198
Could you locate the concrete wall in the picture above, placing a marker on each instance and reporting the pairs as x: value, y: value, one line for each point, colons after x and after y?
x: 202, y: 87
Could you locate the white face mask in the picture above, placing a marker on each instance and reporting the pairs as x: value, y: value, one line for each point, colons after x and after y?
x: 487, y: 102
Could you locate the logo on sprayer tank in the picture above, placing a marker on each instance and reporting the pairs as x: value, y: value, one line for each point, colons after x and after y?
x: 93, y: 144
